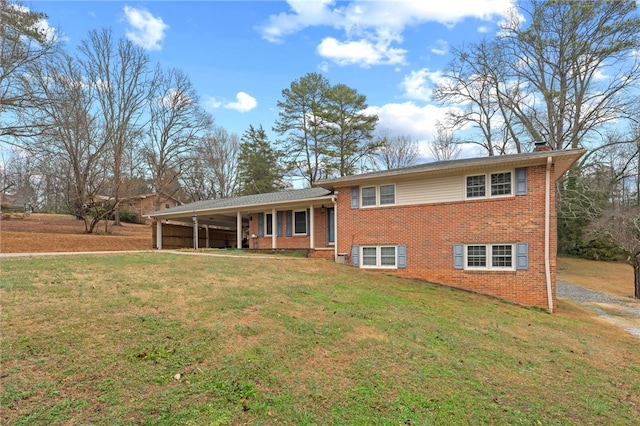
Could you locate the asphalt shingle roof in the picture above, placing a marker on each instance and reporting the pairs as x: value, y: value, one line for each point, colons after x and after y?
x: 248, y: 200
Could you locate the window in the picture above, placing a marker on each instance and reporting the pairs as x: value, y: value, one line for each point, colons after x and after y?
x: 167, y: 206
x: 268, y: 218
x: 500, y: 185
x: 369, y: 196
x: 300, y: 222
x: 387, y: 256
x: 476, y: 256
x: 475, y: 186
x: 379, y: 257
x: 369, y: 256
x: 378, y: 195
x: 489, y: 256
x: 387, y: 194
x: 501, y: 256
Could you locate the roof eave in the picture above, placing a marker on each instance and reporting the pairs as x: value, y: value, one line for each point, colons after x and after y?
x: 562, y: 159
x: 241, y: 208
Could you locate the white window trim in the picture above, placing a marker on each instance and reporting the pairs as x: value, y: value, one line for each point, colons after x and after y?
x: 488, y: 255
x: 487, y: 185
x: 267, y: 222
x: 377, y: 187
x: 378, y: 264
x: 293, y: 223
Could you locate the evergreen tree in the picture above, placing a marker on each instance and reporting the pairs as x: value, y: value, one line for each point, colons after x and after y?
x: 350, y: 131
x: 259, y: 171
x: 301, y: 122
x: 326, y: 131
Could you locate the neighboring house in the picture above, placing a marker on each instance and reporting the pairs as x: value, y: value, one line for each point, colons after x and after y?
x: 144, y: 204
x: 483, y: 224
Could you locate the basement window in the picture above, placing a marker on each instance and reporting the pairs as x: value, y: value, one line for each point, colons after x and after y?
x: 490, y: 256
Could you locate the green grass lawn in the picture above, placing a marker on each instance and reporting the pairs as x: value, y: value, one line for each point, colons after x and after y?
x: 192, y: 340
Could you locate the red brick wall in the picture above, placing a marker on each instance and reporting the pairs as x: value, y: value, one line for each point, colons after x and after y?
x: 431, y: 230
x: 295, y: 241
x: 142, y: 206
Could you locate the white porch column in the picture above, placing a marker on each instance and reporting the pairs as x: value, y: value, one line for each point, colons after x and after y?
x: 195, y: 231
x: 207, y: 231
x: 159, y: 234
x: 274, y: 229
x: 312, y: 230
x: 335, y: 228
x: 238, y: 230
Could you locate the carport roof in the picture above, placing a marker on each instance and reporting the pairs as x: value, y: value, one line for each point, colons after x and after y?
x: 246, y: 201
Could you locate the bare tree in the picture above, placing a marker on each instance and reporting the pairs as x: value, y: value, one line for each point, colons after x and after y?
x: 121, y: 82
x: 558, y: 72
x: 396, y: 151
x: 25, y: 41
x: 444, y: 146
x: 73, y: 136
x: 578, y: 62
x: 176, y: 124
x: 476, y: 79
x: 622, y: 226
x: 219, y: 151
x: 20, y: 177
x: 213, y: 170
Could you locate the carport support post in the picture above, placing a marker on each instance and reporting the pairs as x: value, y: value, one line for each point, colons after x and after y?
x: 238, y: 230
x: 159, y: 234
x: 195, y: 231
x: 312, y: 231
x: 274, y: 233
x: 206, y: 228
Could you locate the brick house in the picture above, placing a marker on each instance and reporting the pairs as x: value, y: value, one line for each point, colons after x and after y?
x: 482, y: 224
x: 143, y: 204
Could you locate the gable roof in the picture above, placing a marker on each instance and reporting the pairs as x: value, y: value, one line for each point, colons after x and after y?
x: 246, y: 201
x: 562, y: 160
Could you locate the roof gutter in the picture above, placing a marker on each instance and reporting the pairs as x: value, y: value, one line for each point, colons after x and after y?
x: 547, y: 219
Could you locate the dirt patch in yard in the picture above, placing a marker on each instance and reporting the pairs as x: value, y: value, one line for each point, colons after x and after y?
x: 40, y: 233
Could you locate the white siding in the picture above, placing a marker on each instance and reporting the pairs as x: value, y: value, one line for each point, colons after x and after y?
x: 435, y: 190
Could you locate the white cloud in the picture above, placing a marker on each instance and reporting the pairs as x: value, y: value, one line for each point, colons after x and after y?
x: 306, y: 13
x: 374, y: 25
x: 417, y: 84
x: 417, y: 122
x: 243, y: 103
x: 211, y: 103
x: 362, y: 52
x: 483, y: 29
x: 147, y: 31
x: 408, y: 118
x: 440, y: 47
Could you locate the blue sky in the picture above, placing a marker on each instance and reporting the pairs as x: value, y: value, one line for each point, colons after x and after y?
x: 240, y: 55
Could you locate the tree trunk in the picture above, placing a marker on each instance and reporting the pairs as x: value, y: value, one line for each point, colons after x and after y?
x: 636, y: 278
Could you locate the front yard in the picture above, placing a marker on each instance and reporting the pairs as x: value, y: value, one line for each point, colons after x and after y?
x: 168, y: 339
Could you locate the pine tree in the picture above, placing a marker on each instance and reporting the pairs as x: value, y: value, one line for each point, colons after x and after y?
x: 259, y: 170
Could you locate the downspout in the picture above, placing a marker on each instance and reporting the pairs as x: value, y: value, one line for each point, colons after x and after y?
x: 547, y: 219
x: 334, y: 200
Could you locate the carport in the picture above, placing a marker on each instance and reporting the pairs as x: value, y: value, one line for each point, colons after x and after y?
x: 235, y: 214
